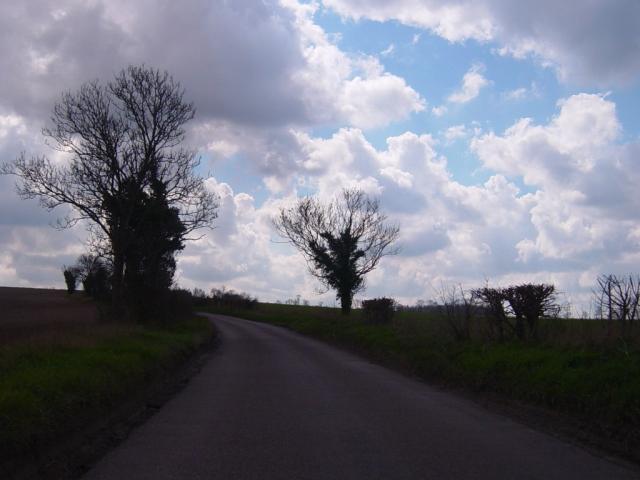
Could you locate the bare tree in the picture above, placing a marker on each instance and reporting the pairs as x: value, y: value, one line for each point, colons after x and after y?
x: 459, y: 310
x: 342, y: 240
x: 618, y: 299
x: 123, y: 139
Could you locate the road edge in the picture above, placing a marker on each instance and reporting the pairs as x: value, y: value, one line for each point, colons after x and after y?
x: 73, y: 456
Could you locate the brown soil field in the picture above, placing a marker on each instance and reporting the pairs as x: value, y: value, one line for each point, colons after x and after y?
x: 37, y: 314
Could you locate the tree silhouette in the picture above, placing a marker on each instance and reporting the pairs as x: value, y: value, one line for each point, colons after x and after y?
x: 342, y: 240
x: 123, y: 141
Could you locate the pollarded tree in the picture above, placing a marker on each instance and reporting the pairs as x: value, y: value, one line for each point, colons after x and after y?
x: 123, y: 139
x: 342, y: 240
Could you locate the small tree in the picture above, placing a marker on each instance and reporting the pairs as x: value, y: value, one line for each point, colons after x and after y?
x: 528, y: 303
x: 618, y: 300
x: 342, y: 240
x: 517, y: 309
x: 459, y: 310
x: 70, y: 278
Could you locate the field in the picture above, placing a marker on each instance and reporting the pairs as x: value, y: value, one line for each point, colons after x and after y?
x: 576, y: 369
x: 62, y: 368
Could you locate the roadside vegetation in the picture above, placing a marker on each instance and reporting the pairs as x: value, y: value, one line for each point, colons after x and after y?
x: 588, y: 370
x: 72, y: 369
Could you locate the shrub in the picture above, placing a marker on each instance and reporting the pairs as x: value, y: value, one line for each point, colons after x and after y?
x: 70, y: 278
x: 378, y: 310
x: 515, y: 311
x: 96, y: 282
x: 231, y: 299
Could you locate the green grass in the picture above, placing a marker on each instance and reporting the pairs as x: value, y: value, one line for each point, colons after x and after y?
x: 569, y: 371
x: 51, y: 390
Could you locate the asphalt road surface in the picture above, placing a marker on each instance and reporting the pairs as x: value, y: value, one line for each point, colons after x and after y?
x: 271, y: 404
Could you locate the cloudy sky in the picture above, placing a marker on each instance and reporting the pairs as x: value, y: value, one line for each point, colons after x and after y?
x: 503, y: 136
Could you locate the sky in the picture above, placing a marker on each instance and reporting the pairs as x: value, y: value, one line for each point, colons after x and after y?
x: 503, y: 137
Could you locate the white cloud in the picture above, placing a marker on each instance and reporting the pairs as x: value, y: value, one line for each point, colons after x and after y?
x: 388, y: 51
x: 472, y: 82
x: 455, y: 132
x: 439, y: 110
x: 594, y: 43
x: 569, y: 146
x: 351, y: 89
x: 516, y: 94
x: 522, y: 93
x: 584, y: 208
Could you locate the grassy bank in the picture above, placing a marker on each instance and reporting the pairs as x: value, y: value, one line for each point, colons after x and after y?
x: 57, y: 384
x: 569, y: 372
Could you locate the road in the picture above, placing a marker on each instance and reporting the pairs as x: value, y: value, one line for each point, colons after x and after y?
x: 271, y: 404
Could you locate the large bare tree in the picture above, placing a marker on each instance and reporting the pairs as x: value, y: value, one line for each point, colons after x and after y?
x: 342, y: 240
x: 123, y: 144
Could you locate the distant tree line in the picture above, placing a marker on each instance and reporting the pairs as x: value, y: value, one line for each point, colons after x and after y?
x: 224, y: 298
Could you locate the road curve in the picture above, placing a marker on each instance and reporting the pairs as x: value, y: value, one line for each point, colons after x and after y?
x: 271, y: 404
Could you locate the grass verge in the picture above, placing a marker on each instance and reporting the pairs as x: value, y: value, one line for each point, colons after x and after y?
x: 49, y: 391
x: 597, y: 385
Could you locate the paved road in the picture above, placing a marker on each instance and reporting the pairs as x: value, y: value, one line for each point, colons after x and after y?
x: 271, y: 404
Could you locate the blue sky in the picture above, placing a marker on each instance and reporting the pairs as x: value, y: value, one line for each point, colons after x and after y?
x: 419, y: 102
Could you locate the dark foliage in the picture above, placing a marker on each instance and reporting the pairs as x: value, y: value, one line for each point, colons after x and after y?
x: 342, y: 241
x: 378, y: 310
x: 95, y: 275
x: 174, y: 304
x: 150, y: 261
x: 493, y: 302
x: 70, y: 279
x: 231, y: 299
x: 528, y: 304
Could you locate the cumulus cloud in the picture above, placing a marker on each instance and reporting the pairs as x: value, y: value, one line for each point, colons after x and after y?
x: 472, y: 82
x: 584, y: 206
x: 594, y: 43
x: 347, y: 88
x: 572, y: 144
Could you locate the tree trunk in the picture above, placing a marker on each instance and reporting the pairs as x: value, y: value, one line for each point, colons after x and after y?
x: 345, y: 302
x: 117, y: 283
